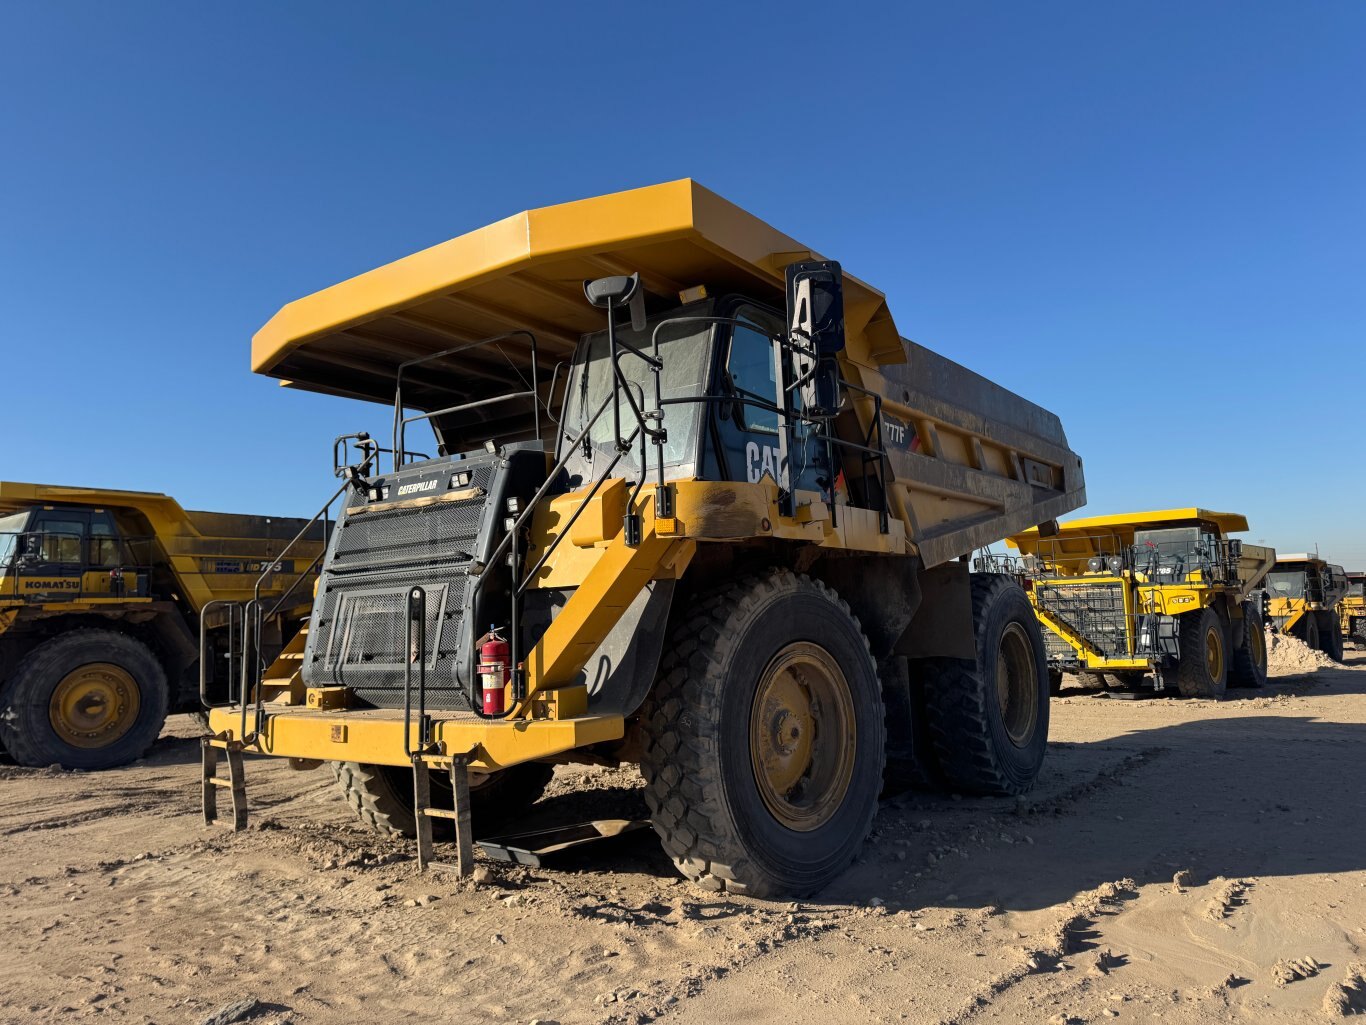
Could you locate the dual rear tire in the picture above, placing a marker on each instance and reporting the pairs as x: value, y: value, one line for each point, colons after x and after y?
x: 1216, y: 655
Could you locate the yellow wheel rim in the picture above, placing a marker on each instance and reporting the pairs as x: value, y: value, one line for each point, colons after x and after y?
x: 1017, y: 684
x: 1214, y: 653
x: 94, y: 705
x: 802, y: 737
x: 1257, y: 642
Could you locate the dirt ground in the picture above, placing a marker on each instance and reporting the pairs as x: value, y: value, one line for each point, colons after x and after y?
x: 116, y: 904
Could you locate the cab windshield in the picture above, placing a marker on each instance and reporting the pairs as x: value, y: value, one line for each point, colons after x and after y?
x: 10, y: 528
x: 1286, y: 585
x: 684, y: 349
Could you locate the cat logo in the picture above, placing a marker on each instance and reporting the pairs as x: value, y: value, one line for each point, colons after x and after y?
x: 409, y: 489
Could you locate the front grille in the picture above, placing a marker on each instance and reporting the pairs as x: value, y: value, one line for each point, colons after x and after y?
x: 1092, y: 611
x: 359, y: 637
x: 1057, y: 649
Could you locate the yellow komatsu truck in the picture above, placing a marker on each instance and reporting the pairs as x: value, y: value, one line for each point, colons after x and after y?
x: 725, y: 537
x: 1352, y: 609
x: 1166, y: 593
x: 1303, y: 592
x: 105, y: 599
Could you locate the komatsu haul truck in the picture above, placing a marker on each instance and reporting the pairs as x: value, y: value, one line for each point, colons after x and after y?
x: 105, y: 598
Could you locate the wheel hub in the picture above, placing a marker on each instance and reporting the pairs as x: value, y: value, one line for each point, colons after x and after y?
x: 1214, y: 654
x: 94, y: 705
x: 802, y: 736
x: 1257, y: 637
x: 1017, y: 684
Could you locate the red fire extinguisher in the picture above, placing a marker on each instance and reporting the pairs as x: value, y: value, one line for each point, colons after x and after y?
x: 494, y: 670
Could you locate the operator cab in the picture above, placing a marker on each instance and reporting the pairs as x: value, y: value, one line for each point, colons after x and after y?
x: 56, y: 553
x: 436, y: 553
x: 1176, y: 554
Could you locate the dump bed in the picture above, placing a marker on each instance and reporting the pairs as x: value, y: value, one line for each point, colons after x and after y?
x: 214, y: 556
x: 971, y: 461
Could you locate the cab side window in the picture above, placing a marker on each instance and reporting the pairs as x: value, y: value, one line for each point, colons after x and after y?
x: 105, y: 545
x: 750, y: 368
x: 61, y: 539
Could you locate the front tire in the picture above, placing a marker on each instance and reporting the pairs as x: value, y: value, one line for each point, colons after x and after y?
x: 989, y: 718
x: 1202, y: 671
x: 1310, y: 630
x: 766, y: 738
x: 382, y: 795
x: 85, y: 699
x: 1128, y: 679
x: 1054, y: 682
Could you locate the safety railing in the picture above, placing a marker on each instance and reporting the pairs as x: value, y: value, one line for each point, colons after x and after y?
x: 532, y: 392
x: 246, y: 621
x: 1209, y: 561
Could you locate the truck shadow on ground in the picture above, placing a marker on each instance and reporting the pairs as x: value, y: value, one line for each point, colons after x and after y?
x: 1227, y: 796
x: 1345, y: 681
x: 1223, y: 797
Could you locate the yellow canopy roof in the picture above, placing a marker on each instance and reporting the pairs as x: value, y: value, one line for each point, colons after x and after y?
x: 527, y: 271
x: 1124, y: 525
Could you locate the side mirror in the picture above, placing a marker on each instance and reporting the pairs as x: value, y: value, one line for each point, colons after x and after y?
x: 815, y: 321
x: 815, y: 305
x: 618, y: 291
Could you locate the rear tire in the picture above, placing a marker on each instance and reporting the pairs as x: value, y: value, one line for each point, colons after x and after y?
x: 85, y: 699
x: 382, y: 795
x: 1203, y: 669
x: 744, y: 796
x: 989, y: 718
x: 1249, y: 657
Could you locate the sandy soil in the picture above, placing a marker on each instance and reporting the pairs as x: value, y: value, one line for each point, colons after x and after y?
x: 1180, y: 860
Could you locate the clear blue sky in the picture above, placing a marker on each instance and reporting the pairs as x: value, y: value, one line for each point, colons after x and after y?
x: 1151, y: 218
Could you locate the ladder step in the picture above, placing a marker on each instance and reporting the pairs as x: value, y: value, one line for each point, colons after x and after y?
x: 211, y: 783
x: 440, y: 813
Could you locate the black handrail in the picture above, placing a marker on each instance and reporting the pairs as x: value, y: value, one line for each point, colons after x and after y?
x: 401, y: 423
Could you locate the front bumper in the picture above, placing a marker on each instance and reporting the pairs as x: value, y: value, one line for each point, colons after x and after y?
x: 376, y: 736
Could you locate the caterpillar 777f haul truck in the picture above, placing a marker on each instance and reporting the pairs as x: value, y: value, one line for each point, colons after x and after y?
x: 1303, y: 592
x: 696, y: 504
x: 105, y: 598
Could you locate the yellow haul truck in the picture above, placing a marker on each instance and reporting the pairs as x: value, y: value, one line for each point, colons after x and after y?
x: 1303, y: 592
x: 105, y: 599
x: 1352, y: 609
x: 725, y: 537
x: 1164, y: 592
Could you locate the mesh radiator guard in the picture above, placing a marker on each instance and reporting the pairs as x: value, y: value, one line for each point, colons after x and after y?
x: 359, y: 633
x: 1093, y: 611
